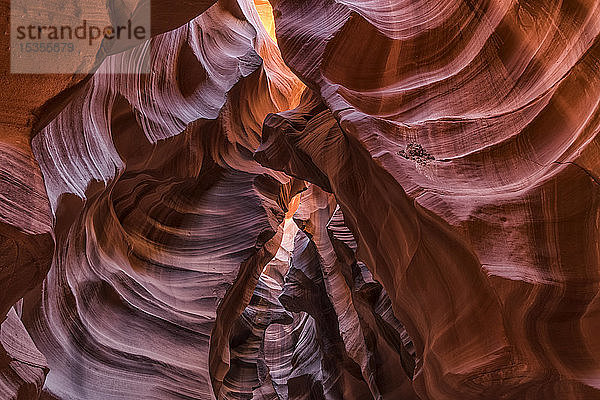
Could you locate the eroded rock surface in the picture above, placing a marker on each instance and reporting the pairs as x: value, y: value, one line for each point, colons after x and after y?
x: 308, y: 199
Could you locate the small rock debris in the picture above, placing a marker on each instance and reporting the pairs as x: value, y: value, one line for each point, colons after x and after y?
x: 416, y: 152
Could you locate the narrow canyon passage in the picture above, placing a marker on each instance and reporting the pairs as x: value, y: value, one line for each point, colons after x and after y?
x: 307, y: 199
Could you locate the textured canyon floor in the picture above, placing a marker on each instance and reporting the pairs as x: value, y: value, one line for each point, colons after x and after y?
x: 308, y: 199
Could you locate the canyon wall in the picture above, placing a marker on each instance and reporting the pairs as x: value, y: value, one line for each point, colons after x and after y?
x: 308, y: 199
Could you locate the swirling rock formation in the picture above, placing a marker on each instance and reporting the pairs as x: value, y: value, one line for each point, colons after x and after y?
x: 466, y: 175
x: 23, y: 368
x: 308, y: 199
x: 162, y: 242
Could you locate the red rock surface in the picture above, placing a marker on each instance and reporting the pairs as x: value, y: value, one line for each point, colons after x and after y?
x: 308, y: 199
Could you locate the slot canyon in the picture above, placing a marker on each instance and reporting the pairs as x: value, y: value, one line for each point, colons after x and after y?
x: 306, y: 200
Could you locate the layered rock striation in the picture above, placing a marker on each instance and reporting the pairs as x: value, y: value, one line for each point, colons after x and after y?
x: 308, y: 199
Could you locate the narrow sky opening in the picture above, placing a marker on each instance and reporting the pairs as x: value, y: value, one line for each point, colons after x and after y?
x: 265, y: 11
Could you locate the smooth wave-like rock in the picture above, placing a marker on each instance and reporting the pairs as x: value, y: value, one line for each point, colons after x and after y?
x: 22, y: 367
x: 459, y: 147
x: 146, y: 275
x: 372, y: 337
x: 307, y: 199
x: 171, y: 246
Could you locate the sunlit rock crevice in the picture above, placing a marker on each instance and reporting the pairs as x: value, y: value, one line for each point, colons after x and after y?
x: 308, y: 199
